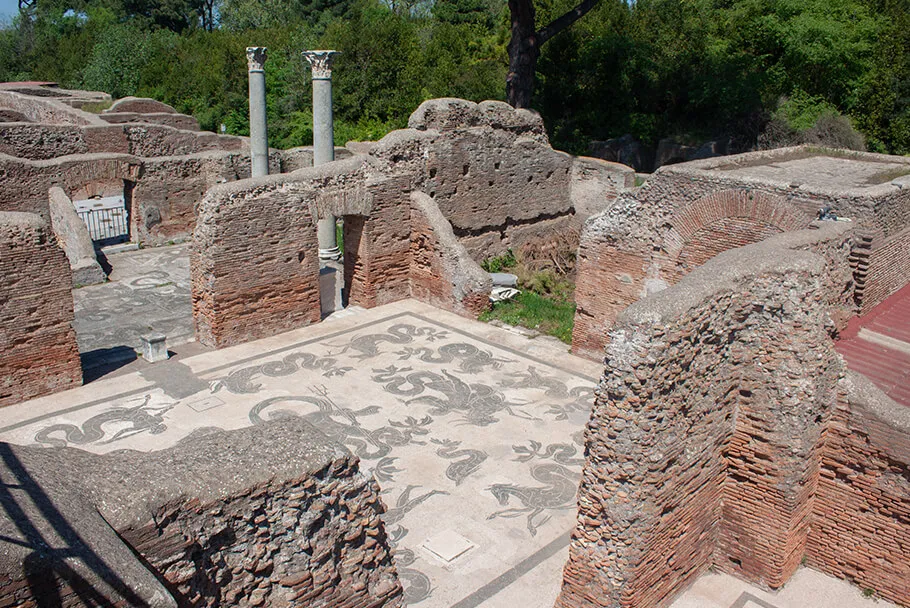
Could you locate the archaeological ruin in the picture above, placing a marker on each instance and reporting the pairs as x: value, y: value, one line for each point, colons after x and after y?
x: 735, y: 402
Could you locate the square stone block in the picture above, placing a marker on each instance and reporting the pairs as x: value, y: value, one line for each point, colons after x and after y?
x: 154, y: 347
x: 448, y: 545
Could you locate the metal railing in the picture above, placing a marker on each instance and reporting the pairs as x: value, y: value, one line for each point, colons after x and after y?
x: 107, y: 225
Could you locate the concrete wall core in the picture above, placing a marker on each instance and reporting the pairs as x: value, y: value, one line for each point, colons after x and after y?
x: 721, y: 437
x: 271, y: 515
x: 687, y: 213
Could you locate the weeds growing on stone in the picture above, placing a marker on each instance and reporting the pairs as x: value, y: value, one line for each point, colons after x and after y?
x: 545, y: 272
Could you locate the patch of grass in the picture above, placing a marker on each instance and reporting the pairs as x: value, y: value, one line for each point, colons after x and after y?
x: 545, y: 271
x: 534, y: 311
x: 500, y: 263
x: 95, y: 107
x: 339, y: 237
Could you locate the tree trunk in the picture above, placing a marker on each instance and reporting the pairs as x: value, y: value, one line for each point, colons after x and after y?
x: 523, y: 54
x: 524, y: 47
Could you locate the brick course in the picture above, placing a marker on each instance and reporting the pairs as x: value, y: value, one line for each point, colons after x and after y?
x: 40, y: 355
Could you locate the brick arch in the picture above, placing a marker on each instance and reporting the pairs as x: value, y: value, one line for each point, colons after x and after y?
x: 753, y: 215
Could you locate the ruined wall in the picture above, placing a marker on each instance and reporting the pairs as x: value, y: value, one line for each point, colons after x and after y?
x: 177, y: 121
x: 685, y: 214
x: 395, y: 247
x: 492, y: 173
x: 441, y: 270
x: 273, y: 515
x: 883, y: 267
x: 861, y: 517
x: 254, y: 260
x: 44, y: 109
x: 36, y: 312
x: 708, y: 433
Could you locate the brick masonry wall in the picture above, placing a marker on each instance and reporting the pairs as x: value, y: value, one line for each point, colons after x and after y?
x: 887, y: 269
x: 376, y: 265
x: 861, y: 526
x: 313, y: 542
x: 41, y: 142
x: 494, y: 176
x: 441, y: 270
x: 254, y: 266
x: 40, y: 355
x: 272, y: 515
x: 705, y: 443
x: 394, y: 248
x: 683, y: 216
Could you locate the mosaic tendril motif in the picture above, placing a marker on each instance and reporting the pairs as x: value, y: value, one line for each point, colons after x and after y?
x: 478, y: 404
x: 343, y: 425
x: 141, y: 418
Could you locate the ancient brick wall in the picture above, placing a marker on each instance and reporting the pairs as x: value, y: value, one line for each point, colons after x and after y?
x: 254, y: 262
x: 861, y: 517
x: 36, y: 312
x: 24, y: 184
x: 273, y: 515
x: 396, y: 245
x: 45, y: 109
x: 883, y: 267
x: 706, y: 439
x: 40, y: 142
x: 441, y: 270
x: 177, y: 121
x: 376, y: 264
x: 685, y: 214
x: 494, y: 176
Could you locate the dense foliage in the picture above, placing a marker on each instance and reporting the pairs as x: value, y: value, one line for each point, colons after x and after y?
x: 687, y: 69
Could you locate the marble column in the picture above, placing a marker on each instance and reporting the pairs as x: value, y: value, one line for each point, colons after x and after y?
x: 259, y: 138
x: 323, y: 138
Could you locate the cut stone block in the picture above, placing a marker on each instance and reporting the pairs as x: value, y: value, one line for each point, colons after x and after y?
x: 448, y: 545
x: 154, y: 347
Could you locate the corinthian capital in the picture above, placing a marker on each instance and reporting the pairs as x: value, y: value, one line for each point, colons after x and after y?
x: 255, y: 58
x: 321, y: 63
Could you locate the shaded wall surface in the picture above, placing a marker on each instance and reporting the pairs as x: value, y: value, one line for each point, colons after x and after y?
x: 39, y: 352
x: 685, y: 214
x: 273, y: 515
x: 719, y: 437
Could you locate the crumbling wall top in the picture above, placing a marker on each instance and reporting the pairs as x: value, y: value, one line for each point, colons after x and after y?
x: 784, y: 253
x: 448, y: 114
x: 140, y: 105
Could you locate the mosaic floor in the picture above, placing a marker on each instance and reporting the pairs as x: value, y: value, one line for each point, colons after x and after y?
x: 149, y: 291
x: 474, y: 434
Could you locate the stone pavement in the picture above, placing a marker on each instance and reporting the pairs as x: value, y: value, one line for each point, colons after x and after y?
x: 148, y: 291
x: 807, y: 589
x: 473, y: 433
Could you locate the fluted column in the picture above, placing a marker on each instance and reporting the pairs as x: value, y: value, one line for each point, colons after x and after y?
x: 259, y: 138
x: 323, y: 138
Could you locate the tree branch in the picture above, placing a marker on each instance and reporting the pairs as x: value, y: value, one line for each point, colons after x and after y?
x: 561, y: 23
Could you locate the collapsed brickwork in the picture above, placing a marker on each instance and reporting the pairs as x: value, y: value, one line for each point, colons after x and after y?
x: 40, y: 355
x: 272, y: 515
x: 686, y: 214
x: 156, y: 157
x: 421, y: 207
x: 726, y: 434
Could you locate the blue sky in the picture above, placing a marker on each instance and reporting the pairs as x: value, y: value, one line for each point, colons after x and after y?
x: 8, y: 8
